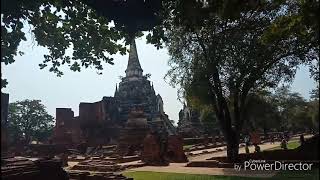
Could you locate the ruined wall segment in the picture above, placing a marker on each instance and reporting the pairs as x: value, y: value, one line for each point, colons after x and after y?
x: 91, y: 112
x: 64, y: 117
x: 63, y: 130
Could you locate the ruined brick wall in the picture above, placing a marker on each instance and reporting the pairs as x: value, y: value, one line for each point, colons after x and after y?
x: 63, y: 128
x: 91, y: 112
x: 76, y: 130
x: 64, y: 116
x: 92, y: 119
x: 110, y: 109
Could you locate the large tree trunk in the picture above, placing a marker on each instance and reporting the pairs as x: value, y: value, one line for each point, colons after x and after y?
x: 232, y: 138
x: 27, y: 140
x: 230, y: 133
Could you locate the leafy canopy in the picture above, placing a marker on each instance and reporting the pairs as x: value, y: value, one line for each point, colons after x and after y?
x: 295, y: 112
x: 59, y: 25
x: 220, y: 61
x: 94, y: 29
x: 28, y: 120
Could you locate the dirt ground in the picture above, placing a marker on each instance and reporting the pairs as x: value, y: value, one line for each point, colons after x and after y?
x: 180, y: 167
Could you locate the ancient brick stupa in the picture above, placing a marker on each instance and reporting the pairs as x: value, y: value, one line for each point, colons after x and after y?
x: 102, y: 121
x: 132, y: 135
x: 136, y: 90
x: 189, y: 124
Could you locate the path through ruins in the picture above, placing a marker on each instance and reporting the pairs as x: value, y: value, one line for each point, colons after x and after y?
x: 180, y: 167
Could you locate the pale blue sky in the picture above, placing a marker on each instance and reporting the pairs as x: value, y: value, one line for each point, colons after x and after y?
x: 27, y: 81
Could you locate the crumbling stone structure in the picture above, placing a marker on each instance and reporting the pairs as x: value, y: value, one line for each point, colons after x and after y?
x: 67, y: 129
x: 175, y: 151
x: 151, y: 154
x: 102, y: 122
x: 156, y: 152
x: 132, y: 135
x: 189, y: 124
x: 24, y: 169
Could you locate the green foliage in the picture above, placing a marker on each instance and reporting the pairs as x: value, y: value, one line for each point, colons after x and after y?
x: 296, y: 113
x: 314, y: 94
x: 261, y: 113
x: 193, y: 13
x: 282, y: 110
x: 219, y: 61
x: 148, y: 75
x: 313, y: 174
x: 300, y: 21
x: 281, y: 175
x: 291, y: 20
x: 59, y: 25
x: 313, y: 113
x: 209, y: 121
x: 28, y: 120
x: 290, y: 145
x: 84, y: 26
x: 4, y: 83
x: 313, y: 107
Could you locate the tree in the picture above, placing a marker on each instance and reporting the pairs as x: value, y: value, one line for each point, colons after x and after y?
x: 281, y: 111
x: 81, y: 25
x: 313, y: 105
x: 313, y: 113
x: 59, y: 25
x: 94, y: 29
x: 222, y: 61
x: 293, y: 109
x: 299, y: 21
x: 262, y: 113
x: 314, y: 94
x: 294, y: 19
x: 209, y: 121
x: 28, y: 120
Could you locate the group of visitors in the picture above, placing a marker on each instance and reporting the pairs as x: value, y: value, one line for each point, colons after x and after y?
x: 284, y: 141
x: 247, y: 144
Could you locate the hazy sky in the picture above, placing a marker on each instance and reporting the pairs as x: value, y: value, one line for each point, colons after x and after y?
x: 27, y: 81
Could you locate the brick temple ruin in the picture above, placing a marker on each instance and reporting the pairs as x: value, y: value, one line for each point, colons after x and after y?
x: 104, y: 122
x: 131, y: 126
x: 189, y: 124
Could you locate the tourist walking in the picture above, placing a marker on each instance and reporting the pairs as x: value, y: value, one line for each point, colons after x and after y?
x: 257, y: 148
x: 271, y: 139
x: 284, y: 144
x: 301, y: 139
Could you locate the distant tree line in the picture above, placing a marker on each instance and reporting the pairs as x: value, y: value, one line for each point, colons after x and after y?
x: 29, y: 121
x: 282, y: 110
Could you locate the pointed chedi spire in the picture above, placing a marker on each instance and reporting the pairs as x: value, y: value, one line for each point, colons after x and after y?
x: 116, y: 91
x: 133, y: 67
